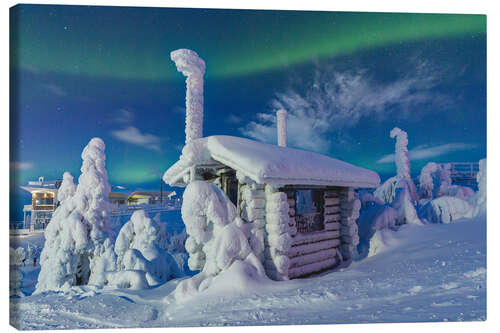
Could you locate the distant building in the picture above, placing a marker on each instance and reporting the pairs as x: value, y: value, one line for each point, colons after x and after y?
x: 44, y: 202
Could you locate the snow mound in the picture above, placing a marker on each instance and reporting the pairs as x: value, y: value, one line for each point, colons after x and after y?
x: 218, y: 242
x: 383, y: 240
x: 446, y: 210
x: 268, y: 164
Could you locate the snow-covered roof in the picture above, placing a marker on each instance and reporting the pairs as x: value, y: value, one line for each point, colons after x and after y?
x: 268, y: 164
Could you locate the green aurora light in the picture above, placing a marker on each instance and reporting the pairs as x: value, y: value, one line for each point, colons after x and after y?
x: 79, y: 42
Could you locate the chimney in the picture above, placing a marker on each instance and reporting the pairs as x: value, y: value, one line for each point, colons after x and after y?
x: 193, y: 67
x: 281, y: 127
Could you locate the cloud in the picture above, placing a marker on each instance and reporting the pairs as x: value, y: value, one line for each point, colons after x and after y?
x: 423, y: 152
x: 134, y: 136
x: 54, y: 89
x: 232, y: 119
x: 124, y: 116
x: 21, y: 165
x: 335, y: 101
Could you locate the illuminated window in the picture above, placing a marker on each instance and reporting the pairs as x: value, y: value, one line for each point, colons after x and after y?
x: 309, y: 210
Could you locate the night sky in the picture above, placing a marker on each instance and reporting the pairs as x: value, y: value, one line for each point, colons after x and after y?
x: 346, y: 79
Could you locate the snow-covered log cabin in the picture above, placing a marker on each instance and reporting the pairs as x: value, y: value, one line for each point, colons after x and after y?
x: 302, y: 203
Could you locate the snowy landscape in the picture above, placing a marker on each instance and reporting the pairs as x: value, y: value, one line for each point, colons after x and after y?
x: 270, y: 232
x: 411, y: 254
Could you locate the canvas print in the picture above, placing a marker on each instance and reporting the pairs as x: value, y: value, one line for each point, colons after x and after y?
x: 210, y: 167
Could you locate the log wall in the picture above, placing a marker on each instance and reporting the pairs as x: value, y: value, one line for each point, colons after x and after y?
x: 316, y: 251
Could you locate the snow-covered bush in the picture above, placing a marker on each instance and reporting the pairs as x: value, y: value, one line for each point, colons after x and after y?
x: 461, y: 192
x: 131, y: 279
x: 78, y: 249
x: 435, y: 182
x: 480, y: 197
x: 217, y: 242
x: 67, y: 188
x: 15, y: 282
x: 17, y: 256
x: 163, y: 234
x: 406, y: 213
x: 446, y: 210
x: 137, y: 248
x: 373, y: 216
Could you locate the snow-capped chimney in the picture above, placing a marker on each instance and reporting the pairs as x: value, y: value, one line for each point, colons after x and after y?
x: 193, y: 67
x: 281, y: 127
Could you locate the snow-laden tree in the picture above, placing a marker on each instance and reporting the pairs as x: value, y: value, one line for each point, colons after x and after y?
x: 218, y: 242
x: 67, y: 188
x: 401, y: 156
x: 78, y: 248
x: 193, y: 67
x: 427, y: 180
x: 387, y: 191
x: 480, y: 198
x: 435, y: 181
x: 137, y: 249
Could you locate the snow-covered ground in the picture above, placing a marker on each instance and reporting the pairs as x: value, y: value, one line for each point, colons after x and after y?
x: 434, y: 272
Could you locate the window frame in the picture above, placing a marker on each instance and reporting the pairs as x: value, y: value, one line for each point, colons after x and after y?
x: 321, y: 210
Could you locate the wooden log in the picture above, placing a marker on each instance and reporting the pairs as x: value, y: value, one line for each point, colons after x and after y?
x: 354, y: 239
x: 331, y: 201
x: 312, y: 257
x: 256, y: 203
x: 331, y: 210
x: 351, y: 205
x: 247, y: 194
x: 349, y: 230
x: 311, y: 268
x: 298, y: 250
x: 314, y: 237
x: 331, y: 194
x: 333, y: 226
x: 332, y: 218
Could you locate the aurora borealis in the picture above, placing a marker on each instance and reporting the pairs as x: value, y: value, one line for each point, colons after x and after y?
x: 84, y: 71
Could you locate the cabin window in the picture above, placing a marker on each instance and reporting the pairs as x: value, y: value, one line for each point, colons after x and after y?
x: 309, y: 210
